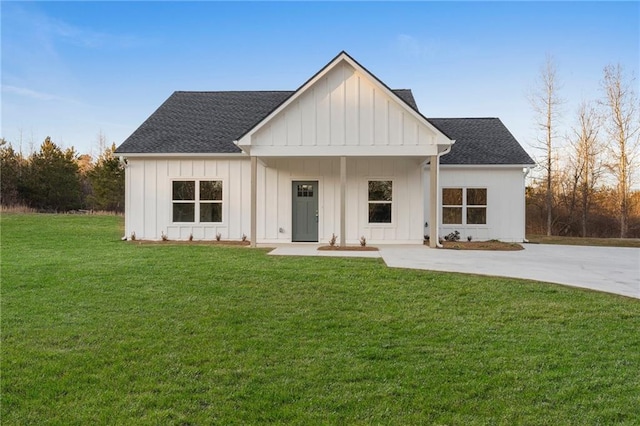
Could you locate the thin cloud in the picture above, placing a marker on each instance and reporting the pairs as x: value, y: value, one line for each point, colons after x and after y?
x: 413, y: 47
x: 34, y: 94
x: 50, y: 30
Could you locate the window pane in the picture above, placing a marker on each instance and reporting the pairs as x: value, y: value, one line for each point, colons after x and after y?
x: 476, y: 196
x: 380, y: 190
x: 452, y: 196
x: 380, y: 213
x: 184, y: 190
x: 305, y: 190
x: 184, y: 212
x: 211, y: 190
x: 210, y: 212
x: 452, y: 215
x: 476, y: 215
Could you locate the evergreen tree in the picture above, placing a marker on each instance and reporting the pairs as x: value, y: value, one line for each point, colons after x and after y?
x: 53, y: 180
x: 107, y: 182
x: 12, y: 165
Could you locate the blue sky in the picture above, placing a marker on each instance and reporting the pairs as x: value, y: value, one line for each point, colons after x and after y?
x: 73, y: 69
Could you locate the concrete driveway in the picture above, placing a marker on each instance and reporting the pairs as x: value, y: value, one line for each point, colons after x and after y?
x: 609, y: 269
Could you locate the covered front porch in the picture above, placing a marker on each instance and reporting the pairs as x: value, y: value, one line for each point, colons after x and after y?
x: 310, y: 199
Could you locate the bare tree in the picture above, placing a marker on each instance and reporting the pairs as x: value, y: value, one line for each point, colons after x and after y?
x: 622, y: 125
x: 585, y: 157
x: 546, y: 104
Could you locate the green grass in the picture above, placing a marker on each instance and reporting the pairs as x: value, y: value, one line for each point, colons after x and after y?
x: 578, y: 241
x: 99, y: 331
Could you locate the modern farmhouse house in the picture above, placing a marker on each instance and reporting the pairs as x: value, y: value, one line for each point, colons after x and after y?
x: 344, y: 154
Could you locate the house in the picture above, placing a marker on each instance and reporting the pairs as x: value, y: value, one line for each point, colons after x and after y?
x: 344, y: 154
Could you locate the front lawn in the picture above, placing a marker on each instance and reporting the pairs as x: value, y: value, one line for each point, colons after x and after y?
x: 99, y: 331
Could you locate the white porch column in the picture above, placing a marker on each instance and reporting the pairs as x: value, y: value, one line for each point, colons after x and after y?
x: 254, y: 202
x: 343, y: 200
x: 434, y: 173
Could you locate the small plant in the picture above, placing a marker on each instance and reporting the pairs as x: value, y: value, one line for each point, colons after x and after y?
x: 218, y: 236
x: 133, y: 236
x: 363, y: 241
x: 454, y: 236
x: 244, y: 237
x: 164, y: 236
x: 469, y: 238
x: 332, y: 240
x: 191, y: 236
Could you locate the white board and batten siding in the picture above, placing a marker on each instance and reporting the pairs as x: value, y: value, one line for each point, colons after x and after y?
x: 505, y: 200
x: 149, y: 204
x: 344, y: 113
x: 148, y: 207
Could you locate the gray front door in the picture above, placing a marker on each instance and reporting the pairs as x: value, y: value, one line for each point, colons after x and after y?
x: 305, y: 211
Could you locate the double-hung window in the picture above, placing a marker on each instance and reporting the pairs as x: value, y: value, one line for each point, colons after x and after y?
x: 464, y: 206
x: 380, y: 201
x: 201, y: 199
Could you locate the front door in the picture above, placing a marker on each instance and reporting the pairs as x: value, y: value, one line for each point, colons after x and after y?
x: 305, y: 211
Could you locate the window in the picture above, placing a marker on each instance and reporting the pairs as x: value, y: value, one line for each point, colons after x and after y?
x: 380, y: 199
x: 201, y: 199
x: 476, y: 206
x: 451, y: 206
x: 305, y: 190
x: 464, y: 206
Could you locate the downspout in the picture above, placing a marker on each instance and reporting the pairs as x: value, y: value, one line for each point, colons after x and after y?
x: 127, y: 191
x: 526, y: 171
x: 440, y: 154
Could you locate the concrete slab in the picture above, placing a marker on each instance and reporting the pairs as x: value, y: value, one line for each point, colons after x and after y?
x: 312, y: 250
x: 608, y: 269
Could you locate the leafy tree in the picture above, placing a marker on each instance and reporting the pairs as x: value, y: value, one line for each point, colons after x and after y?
x: 107, y: 182
x: 12, y: 165
x: 52, y: 181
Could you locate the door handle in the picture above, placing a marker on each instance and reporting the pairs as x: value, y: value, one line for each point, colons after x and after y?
x: 316, y: 216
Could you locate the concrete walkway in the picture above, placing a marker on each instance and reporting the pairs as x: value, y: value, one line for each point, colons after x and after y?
x: 608, y: 269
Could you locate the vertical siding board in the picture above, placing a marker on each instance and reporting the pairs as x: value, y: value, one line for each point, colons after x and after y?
x: 366, y: 114
x: 271, y: 203
x: 323, y: 112
x: 351, y: 109
x: 294, y: 125
x: 336, y: 81
x: 307, y: 118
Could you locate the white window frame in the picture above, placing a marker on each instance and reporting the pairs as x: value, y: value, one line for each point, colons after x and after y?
x: 392, y: 202
x: 196, y: 201
x: 464, y: 206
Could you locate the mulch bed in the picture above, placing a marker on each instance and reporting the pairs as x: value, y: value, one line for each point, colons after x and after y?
x: 193, y: 243
x: 482, y: 245
x: 348, y: 248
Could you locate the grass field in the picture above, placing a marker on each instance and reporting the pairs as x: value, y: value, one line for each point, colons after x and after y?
x: 99, y: 331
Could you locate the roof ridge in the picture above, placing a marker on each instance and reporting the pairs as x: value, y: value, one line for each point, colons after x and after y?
x: 248, y: 91
x: 233, y: 91
x: 464, y: 118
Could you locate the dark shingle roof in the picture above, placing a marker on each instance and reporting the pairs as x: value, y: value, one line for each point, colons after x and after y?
x: 209, y: 122
x: 480, y: 141
x: 201, y: 122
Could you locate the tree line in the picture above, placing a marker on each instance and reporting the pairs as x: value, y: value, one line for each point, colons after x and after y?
x: 53, y: 179
x: 588, y: 185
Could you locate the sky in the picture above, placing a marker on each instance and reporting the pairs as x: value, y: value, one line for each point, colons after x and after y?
x: 75, y: 70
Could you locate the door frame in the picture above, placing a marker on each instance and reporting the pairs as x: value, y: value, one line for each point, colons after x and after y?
x: 316, y: 182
